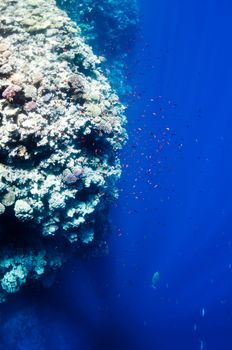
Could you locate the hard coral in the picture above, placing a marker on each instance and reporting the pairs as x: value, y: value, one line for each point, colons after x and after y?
x: 11, y: 91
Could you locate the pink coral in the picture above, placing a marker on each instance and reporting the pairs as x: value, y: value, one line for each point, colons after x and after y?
x: 11, y: 91
x: 30, y: 106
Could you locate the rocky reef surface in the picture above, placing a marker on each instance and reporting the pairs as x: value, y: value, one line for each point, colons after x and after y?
x: 61, y: 125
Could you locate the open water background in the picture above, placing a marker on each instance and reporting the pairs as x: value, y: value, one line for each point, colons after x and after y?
x: 174, y: 215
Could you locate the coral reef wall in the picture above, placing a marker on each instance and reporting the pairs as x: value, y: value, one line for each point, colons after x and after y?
x: 61, y: 126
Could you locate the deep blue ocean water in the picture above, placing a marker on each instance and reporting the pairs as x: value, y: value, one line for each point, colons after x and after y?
x: 174, y: 214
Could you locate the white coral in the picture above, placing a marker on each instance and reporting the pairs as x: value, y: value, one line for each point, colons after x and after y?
x: 12, y: 280
x: 23, y: 210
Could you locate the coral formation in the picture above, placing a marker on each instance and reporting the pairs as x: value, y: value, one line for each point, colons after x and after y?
x: 61, y: 125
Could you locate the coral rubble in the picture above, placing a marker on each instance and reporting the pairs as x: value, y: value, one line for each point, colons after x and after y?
x: 61, y: 125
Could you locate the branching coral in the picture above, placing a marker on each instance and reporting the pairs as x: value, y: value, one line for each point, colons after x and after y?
x: 61, y: 125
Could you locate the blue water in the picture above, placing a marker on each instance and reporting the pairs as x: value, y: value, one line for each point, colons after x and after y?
x: 174, y: 212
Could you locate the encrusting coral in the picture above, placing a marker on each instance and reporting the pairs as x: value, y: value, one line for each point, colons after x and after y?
x: 61, y: 126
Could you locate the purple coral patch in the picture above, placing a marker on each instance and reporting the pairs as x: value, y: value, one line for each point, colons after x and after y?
x: 30, y: 106
x: 71, y: 177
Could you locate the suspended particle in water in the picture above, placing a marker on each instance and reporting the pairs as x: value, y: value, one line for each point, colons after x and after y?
x: 155, y: 279
x: 201, y: 345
